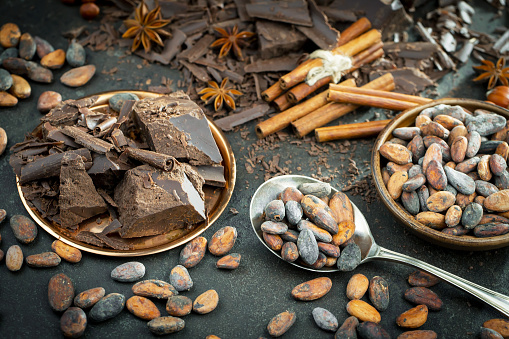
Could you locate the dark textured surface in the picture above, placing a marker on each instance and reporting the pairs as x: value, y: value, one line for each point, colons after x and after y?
x: 260, y: 288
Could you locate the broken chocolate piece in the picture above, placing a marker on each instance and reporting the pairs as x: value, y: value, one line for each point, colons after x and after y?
x: 67, y: 112
x: 213, y: 175
x: 158, y: 160
x: 113, y: 243
x: 53, y: 133
x: 321, y: 33
x: 177, y: 127
x: 90, y: 238
x: 49, y: 166
x: 87, y: 140
x: 113, y: 227
x: 229, y: 122
x: 173, y: 202
x: 276, y: 39
x: 284, y: 63
x: 78, y: 197
x: 289, y: 11
x: 107, y: 170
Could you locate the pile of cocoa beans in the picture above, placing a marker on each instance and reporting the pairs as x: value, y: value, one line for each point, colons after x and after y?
x: 312, y: 227
x: 450, y: 170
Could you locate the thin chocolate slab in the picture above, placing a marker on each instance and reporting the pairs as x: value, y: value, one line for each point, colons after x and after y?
x: 213, y: 175
x: 200, y: 48
x: 53, y: 133
x: 107, y: 169
x: 412, y: 50
x: 281, y: 64
x: 229, y: 122
x: 89, y: 238
x: 321, y: 33
x: 407, y: 80
x: 177, y: 127
x: 290, y: 11
x: 170, y: 202
x: 78, y: 197
x: 87, y: 140
x: 276, y: 39
x: 113, y: 243
x: 113, y: 227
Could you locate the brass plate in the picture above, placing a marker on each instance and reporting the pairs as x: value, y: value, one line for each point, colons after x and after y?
x: 216, y: 200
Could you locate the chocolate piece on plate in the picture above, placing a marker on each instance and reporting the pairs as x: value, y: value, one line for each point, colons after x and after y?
x: 177, y: 126
x: 78, y: 198
x: 153, y: 202
x: 90, y: 238
x: 107, y: 170
x: 213, y: 175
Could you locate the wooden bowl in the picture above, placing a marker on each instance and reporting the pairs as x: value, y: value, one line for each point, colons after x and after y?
x: 405, y: 119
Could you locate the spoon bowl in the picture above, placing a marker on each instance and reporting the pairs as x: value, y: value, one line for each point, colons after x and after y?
x: 370, y: 250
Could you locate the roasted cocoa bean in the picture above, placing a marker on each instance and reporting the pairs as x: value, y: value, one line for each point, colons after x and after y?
x: 318, y: 189
x: 289, y: 252
x: 503, y: 150
x: 77, y: 77
x: 290, y: 235
x: 320, y: 262
x: 433, y: 128
x: 75, y: 54
x: 345, y: 233
x: 371, y: 330
x: 422, y: 279
x: 456, y: 230
x: 273, y: 227
x: 467, y: 166
x: 418, y: 334
x: 23, y: 228
x: 406, y: 133
x: 363, y: 311
x: 423, y: 194
x: 108, y: 307
x: 447, y: 121
x: 490, y: 230
x: 458, y: 149
x: 312, y: 289
x: 395, y: 184
x: 453, y: 216
x: 379, y: 293
x: 431, y: 219
x: 319, y: 233
x: 350, y: 258
x: 497, y: 164
x: 434, y: 152
x: 471, y: 215
x: 348, y: 329
x: 488, y: 333
x: 502, y: 180
x: 223, y: 240
x: 179, y: 305
x: 396, y: 153
x: 66, y: 252
x: 308, y: 247
x: 414, y: 317
x: 483, y: 168
x: 341, y: 207
x: 474, y: 144
x: 180, y: 278
x: 486, y: 124
x: 325, y: 319
x: 154, y: 289
x: 142, y: 308
x: 416, y: 146
x: 423, y: 296
x: 329, y: 250
x: 89, y: 297
x: 293, y: 212
x: 460, y: 181
x: 319, y: 213
x: 230, y: 262
x: 14, y: 258
x: 458, y: 131
x: 128, y: 272
x: 60, y: 292
x: 414, y: 171
x: 499, y: 325
x: 281, y: 323
x: 193, y: 252
x: 206, y: 302
x: 411, y: 202
x: 357, y: 286
x: 166, y: 325
x: 46, y: 259
x: 73, y: 322
x: 414, y: 183
x: 440, y: 201
x: 274, y: 241
x: 485, y: 188
x: 436, y: 176
x: 275, y: 210
x: 291, y: 194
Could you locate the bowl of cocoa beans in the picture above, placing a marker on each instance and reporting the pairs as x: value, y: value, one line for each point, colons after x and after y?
x: 441, y: 170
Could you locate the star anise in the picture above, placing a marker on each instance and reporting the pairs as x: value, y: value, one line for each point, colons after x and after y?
x: 493, y: 72
x: 146, y: 27
x: 219, y: 94
x: 231, y: 38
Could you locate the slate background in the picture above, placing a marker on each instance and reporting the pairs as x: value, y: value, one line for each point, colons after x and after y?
x: 260, y: 288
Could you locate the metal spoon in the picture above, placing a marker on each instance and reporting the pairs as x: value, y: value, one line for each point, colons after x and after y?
x: 269, y: 190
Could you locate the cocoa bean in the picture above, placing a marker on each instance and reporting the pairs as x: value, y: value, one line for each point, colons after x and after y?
x: 357, y: 286
x: 289, y: 252
x: 293, y: 212
x: 307, y: 246
x: 490, y: 230
x: 275, y: 210
x: 54, y: 60
x: 487, y: 218
x: 166, y: 325
x: 179, y: 305
x: 329, y: 262
x: 281, y: 323
x: 23, y: 228
x: 273, y: 227
x: 142, y: 308
x: 223, y: 240
x: 422, y: 279
x: 485, y: 188
x: 27, y: 47
x: 456, y: 230
x: 453, y: 216
x: 39, y: 74
x: 325, y: 319
x: 312, y: 289
x: 341, y: 207
x: 411, y: 202
x: 89, y: 297
x: 474, y: 144
x: 14, y: 258
x: 350, y: 258
x: 434, y: 152
x: 348, y: 329
x: 503, y: 150
x: 3, y: 145
x: 488, y: 333
x: 463, y: 200
x: 6, y: 80
x: 486, y: 124
x: 497, y: 164
x: 329, y: 250
x: 483, y: 168
x: 416, y: 146
x: 423, y: 194
x: 379, y: 293
x: 418, y: 334
x: 291, y: 193
x: 398, y: 141
x: 396, y: 153
x: 108, y: 307
x: 406, y: 133
x: 345, y: 233
x: 499, y: 325
x: 20, y: 87
x: 154, y: 289
x: 371, y: 330
x: 395, y: 184
x: 290, y: 235
x: 66, y: 252
x: 440, y: 201
x: 319, y: 233
x: 73, y: 322
x: 60, y: 292
x: 48, y: 100
x: 460, y: 181
x: 319, y: 213
x: 458, y: 149
x: 502, y: 180
x: 75, y: 54
x: 423, y: 296
x: 320, y: 262
x: 458, y: 131
x: 180, y: 278
x: 433, y: 128
x: 9, y: 35
x: 468, y: 166
x: 231, y: 261
x: 471, y: 216
x: 193, y: 252
x: 77, y: 77
x: 274, y: 241
x: 413, y: 318
x: 363, y: 311
x: 489, y: 146
x: 43, y: 47
x: 414, y: 183
x: 318, y: 189
x: 414, y: 171
x: 128, y: 272
x: 436, y: 176
x: 447, y: 121
x: 46, y: 259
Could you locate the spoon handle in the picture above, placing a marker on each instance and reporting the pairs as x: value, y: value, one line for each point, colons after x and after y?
x: 495, y: 299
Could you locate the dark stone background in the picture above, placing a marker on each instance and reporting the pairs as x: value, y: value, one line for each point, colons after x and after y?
x: 260, y: 288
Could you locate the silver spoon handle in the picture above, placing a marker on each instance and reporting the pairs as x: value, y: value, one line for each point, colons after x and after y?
x: 495, y: 299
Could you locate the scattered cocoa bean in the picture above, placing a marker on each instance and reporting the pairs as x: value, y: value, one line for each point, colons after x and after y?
x: 206, y: 302
x: 54, y: 60
x: 312, y: 289
x: 154, y: 289
x: 46, y: 259
x: 77, y: 77
x: 348, y: 329
x: 27, y: 47
x: 75, y: 54
x: 89, y: 297
x: 166, y: 325
x: 66, y: 252
x: 418, y: 334
x: 413, y: 318
x: 14, y: 258
x: 499, y: 325
x: 180, y: 278
x: 422, y: 279
x: 73, y: 322
x: 379, y: 293
x: 142, y: 308
x: 108, y: 307
x: 357, y: 286
x: 325, y: 319
x: 128, y: 272
x: 232, y: 261
x: 60, y: 292
x: 223, y: 240
x: 9, y: 35
x: 281, y: 323
x: 363, y: 311
x: 179, y: 305
x: 423, y: 296
x: 193, y: 252
x: 48, y: 100
x: 371, y: 330
x: 24, y: 229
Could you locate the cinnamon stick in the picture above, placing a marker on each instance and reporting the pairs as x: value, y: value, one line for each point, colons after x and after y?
x: 377, y: 93
x: 372, y: 101
x: 282, y: 103
x: 159, y: 160
x: 283, y: 119
x: 333, y: 110
x: 349, y: 49
x: 50, y: 166
x: 272, y: 92
x: 350, y: 131
x: 353, y: 31
x: 302, y: 90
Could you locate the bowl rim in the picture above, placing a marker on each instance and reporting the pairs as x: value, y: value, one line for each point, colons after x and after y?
x: 469, y: 243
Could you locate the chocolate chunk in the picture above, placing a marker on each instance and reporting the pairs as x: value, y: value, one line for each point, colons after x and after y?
x: 213, y: 175
x: 116, y: 244
x: 78, y: 198
x: 174, y: 201
x: 107, y: 170
x: 113, y: 227
x: 276, y: 39
x: 89, y: 238
x: 290, y: 11
x: 87, y: 140
x: 177, y: 127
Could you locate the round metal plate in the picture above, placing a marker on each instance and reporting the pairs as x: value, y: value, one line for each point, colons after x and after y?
x: 216, y: 200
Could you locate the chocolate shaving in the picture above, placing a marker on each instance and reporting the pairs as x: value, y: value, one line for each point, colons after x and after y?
x: 87, y: 140
x: 113, y: 227
x: 158, y: 160
x: 113, y: 243
x: 90, y: 238
x: 285, y: 63
x: 197, y: 71
x: 213, y: 175
x: 171, y: 48
x: 198, y: 50
x: 289, y: 11
x: 229, y: 122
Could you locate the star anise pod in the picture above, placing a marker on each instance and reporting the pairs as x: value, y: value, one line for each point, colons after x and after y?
x: 219, y: 94
x: 146, y: 27
x: 494, y: 72
x: 231, y: 38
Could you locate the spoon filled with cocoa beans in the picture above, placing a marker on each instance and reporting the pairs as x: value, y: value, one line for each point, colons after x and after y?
x: 315, y: 227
